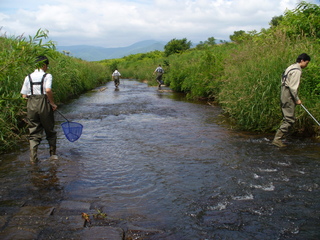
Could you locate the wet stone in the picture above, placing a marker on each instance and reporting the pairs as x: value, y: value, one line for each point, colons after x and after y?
x: 3, y: 220
x: 26, y: 221
x: 105, y: 232
x: 19, y: 233
x: 35, y: 211
x: 76, y: 206
x: 31, y: 216
x: 71, y: 222
x: 135, y: 232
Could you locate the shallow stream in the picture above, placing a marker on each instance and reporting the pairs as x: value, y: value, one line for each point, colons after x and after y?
x: 157, y: 161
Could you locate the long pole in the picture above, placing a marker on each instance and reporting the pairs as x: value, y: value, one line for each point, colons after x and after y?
x: 62, y: 115
x: 310, y: 114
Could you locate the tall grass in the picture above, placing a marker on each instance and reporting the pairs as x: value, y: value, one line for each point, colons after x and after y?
x: 71, y: 77
x: 198, y: 72
x: 243, y: 78
x: 250, y: 92
x: 195, y: 72
x: 74, y: 76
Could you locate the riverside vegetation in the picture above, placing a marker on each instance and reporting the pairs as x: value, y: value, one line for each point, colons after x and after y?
x: 17, y: 56
x: 242, y: 76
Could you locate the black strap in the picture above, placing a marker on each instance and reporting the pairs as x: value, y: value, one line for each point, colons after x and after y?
x: 37, y: 83
x: 284, y: 76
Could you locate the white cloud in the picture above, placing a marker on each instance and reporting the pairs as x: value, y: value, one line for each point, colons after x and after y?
x: 116, y: 23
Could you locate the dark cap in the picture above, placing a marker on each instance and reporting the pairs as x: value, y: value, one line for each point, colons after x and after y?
x: 42, y: 59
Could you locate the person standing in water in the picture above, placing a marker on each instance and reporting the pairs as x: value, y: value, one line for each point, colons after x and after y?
x: 116, y: 78
x: 159, y: 71
x: 37, y: 90
x: 289, y: 97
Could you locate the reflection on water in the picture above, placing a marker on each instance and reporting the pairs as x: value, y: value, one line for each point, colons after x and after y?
x: 160, y: 162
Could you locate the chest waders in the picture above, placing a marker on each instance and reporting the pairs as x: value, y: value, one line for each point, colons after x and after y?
x: 159, y: 78
x: 40, y: 117
x: 116, y: 80
x: 288, y: 105
x: 288, y: 111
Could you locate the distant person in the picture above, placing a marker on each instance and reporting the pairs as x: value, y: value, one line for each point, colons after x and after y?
x: 40, y: 106
x: 289, y: 97
x: 116, y: 78
x: 159, y: 71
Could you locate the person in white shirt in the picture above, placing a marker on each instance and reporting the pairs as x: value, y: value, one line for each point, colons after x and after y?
x: 159, y: 71
x: 40, y: 108
x: 116, y: 78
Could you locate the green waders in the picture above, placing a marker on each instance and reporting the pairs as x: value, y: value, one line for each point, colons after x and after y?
x: 116, y: 81
x: 288, y: 111
x: 40, y: 117
x: 159, y: 78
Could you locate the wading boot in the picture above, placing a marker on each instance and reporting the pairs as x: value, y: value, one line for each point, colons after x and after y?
x: 34, y: 154
x: 53, y: 155
x: 277, y: 139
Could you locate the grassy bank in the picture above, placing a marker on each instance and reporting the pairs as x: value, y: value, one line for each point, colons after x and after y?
x: 244, y: 76
x: 250, y: 89
x: 71, y: 77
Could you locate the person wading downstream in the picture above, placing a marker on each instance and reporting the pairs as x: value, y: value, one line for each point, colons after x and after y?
x: 289, y: 97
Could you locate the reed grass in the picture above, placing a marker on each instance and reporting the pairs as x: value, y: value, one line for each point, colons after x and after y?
x: 71, y: 77
x: 250, y: 92
x: 244, y: 79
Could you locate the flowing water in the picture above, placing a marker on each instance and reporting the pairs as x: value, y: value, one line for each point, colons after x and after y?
x: 157, y: 161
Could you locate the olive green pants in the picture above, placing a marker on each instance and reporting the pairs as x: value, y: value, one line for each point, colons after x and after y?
x: 159, y: 77
x: 288, y: 110
x: 116, y: 81
x: 40, y: 118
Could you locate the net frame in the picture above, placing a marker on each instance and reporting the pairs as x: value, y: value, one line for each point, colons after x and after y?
x: 72, y: 130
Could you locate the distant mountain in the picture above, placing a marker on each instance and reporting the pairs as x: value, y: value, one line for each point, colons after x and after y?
x: 92, y: 53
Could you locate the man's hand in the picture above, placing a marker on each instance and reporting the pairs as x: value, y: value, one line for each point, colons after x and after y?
x: 54, y: 107
x: 299, y: 102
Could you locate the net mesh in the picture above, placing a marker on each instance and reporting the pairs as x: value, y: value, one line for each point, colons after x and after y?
x: 72, y: 130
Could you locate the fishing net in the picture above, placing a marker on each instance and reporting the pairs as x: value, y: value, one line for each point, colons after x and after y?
x: 72, y: 130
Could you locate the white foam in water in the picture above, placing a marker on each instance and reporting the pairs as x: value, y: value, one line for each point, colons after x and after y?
x: 220, y: 206
x: 268, y: 170
x: 263, y: 211
x: 246, y: 197
x: 256, y: 176
x: 285, y: 179
x: 285, y: 164
x: 269, y: 187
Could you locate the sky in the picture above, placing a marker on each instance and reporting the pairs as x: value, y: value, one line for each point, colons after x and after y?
x: 121, y: 23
